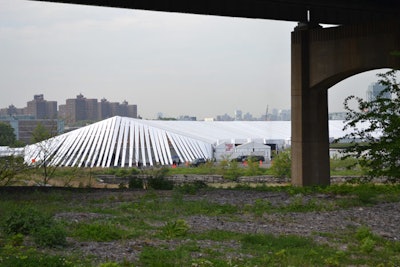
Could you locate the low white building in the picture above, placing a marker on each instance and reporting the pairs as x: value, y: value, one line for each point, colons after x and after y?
x: 231, y: 151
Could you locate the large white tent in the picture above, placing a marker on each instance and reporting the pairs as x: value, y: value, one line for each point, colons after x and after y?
x: 127, y: 142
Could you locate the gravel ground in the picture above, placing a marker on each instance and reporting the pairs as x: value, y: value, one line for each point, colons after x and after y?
x: 383, y: 219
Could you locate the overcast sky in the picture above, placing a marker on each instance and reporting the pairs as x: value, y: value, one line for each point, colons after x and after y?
x: 177, y: 64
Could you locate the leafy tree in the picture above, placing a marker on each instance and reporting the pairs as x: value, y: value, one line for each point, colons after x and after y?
x: 379, y: 153
x: 281, y: 165
x: 10, y: 166
x: 41, y: 136
x: 7, y: 136
x: 40, y: 133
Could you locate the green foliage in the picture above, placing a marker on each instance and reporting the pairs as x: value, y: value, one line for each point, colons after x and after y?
x: 16, y: 240
x: 253, y: 167
x: 160, y: 183
x: 110, y: 264
x: 135, y: 182
x: 190, y: 188
x: 29, y: 221
x: 152, y: 178
x: 7, y: 136
x: 281, y: 165
x: 122, y: 172
x: 10, y: 167
x: 41, y: 133
x: 24, y: 220
x: 53, y: 236
x: 154, y: 216
x: 100, y: 232
x: 232, y: 171
x: 20, y: 257
x: 177, y: 228
x: 378, y: 154
x: 346, y: 166
x: 363, y: 232
x: 164, y: 257
x: 287, y: 250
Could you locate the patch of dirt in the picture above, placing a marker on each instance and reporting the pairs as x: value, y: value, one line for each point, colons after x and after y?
x: 383, y: 219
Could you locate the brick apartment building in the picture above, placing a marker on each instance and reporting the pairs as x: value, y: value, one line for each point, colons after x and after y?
x: 84, y: 109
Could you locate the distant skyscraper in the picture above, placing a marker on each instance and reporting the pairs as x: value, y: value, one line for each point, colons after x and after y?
x: 104, y: 109
x: 12, y: 111
x: 374, y: 90
x: 110, y: 109
x: 41, y: 108
x: 238, y: 115
x: 74, y: 109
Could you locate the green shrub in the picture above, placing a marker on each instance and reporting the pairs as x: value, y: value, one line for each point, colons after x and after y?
x: 367, y: 245
x: 160, y: 183
x: 135, y: 182
x: 363, y: 232
x: 176, y: 228
x: 110, y: 264
x: 16, y: 240
x: 123, y: 172
x: 21, y: 256
x: 24, y: 221
x: 29, y: 221
x: 191, y: 188
x: 253, y: 167
x: 281, y: 165
x: 35, y: 260
x: 233, y: 171
x: 54, y: 236
x: 101, y: 232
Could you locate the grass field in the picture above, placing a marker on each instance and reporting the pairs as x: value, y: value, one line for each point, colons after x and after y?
x: 112, y: 227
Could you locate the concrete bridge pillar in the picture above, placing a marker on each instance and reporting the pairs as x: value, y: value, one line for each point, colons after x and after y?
x: 322, y: 57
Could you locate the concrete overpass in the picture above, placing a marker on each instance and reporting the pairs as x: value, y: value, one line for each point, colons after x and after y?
x: 366, y: 35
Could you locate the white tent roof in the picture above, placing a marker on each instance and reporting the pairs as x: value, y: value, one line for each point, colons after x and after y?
x: 121, y: 141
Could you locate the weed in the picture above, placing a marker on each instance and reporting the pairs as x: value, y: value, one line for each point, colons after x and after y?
x: 164, y: 257
x: 110, y: 264
x: 363, y: 232
x: 20, y: 256
x: 191, y: 188
x: 135, y: 182
x: 177, y: 228
x: 100, y: 232
x: 54, y: 236
x: 260, y: 207
x: 160, y: 183
x: 367, y: 245
x: 24, y: 220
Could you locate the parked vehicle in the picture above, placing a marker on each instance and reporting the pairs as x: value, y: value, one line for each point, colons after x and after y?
x: 253, y: 158
x: 240, y: 158
x: 197, y: 162
x: 176, y: 160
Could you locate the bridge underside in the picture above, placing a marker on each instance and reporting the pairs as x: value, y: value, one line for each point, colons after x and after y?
x: 369, y: 33
x: 326, y: 12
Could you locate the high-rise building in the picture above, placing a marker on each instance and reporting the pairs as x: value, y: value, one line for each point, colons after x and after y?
x: 104, y: 109
x: 238, y: 115
x: 75, y: 109
x: 92, y: 110
x: 12, y: 111
x: 374, y: 90
x: 41, y: 108
x: 81, y: 108
x: 110, y: 109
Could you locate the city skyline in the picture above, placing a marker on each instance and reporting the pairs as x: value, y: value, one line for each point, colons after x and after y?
x: 178, y: 64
